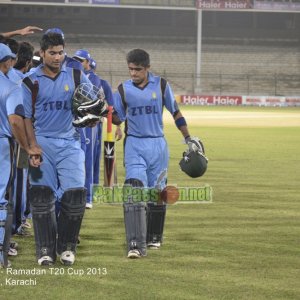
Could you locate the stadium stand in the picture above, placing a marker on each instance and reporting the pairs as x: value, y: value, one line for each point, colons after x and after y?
x: 249, y: 68
x: 242, y: 53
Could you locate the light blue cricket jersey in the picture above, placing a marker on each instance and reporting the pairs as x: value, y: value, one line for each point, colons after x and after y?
x: 11, y: 103
x: 72, y: 63
x: 53, y: 114
x: 144, y: 113
x: 32, y: 70
x: 94, y: 78
x: 15, y: 76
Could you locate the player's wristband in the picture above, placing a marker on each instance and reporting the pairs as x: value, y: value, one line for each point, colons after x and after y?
x: 187, y: 139
x: 180, y: 122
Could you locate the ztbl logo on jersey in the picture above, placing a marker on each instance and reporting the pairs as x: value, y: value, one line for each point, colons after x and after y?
x: 66, y: 88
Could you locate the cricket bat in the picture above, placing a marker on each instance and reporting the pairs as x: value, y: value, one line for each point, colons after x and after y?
x: 21, y: 157
x: 109, y: 153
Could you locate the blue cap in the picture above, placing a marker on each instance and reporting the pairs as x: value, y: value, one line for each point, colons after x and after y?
x: 82, y: 54
x: 55, y: 30
x: 5, y: 53
x: 93, y: 64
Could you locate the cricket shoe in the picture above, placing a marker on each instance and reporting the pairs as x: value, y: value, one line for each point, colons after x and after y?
x: 12, y: 252
x: 13, y: 244
x: 89, y: 206
x: 22, y: 231
x: 67, y: 258
x: 26, y: 224
x: 154, y: 245
x: 134, y: 253
x: 45, y: 261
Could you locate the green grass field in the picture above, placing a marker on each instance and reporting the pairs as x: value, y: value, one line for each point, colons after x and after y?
x: 243, y: 245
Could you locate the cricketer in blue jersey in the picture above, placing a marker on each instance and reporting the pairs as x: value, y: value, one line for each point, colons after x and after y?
x: 72, y: 63
x: 140, y: 102
x: 20, y: 175
x: 21, y: 67
x: 91, y: 137
x: 109, y: 97
x: 11, y: 125
x: 47, y: 100
x: 118, y: 133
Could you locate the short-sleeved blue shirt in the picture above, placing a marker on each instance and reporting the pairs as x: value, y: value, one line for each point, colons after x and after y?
x: 32, y: 70
x: 72, y: 63
x: 53, y: 108
x: 144, y: 112
x: 15, y: 76
x: 11, y: 103
x: 94, y: 78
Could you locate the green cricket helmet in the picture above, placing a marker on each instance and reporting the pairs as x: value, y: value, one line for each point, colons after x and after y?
x: 193, y: 163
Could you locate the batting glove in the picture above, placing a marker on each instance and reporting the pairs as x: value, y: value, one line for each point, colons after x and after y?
x: 87, y: 120
x: 98, y: 108
x: 195, y: 144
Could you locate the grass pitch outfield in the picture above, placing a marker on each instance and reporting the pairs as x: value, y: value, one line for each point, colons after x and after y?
x: 243, y: 245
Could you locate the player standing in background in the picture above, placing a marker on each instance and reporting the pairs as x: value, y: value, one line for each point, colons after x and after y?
x: 118, y: 136
x: 89, y: 137
x: 140, y: 102
x: 91, y: 142
x: 11, y: 125
x: 14, y: 47
x: 20, y: 175
x: 22, y: 65
x: 98, y: 140
x: 25, y: 55
x: 62, y: 170
x: 14, y: 77
x: 21, y: 210
x: 36, y: 61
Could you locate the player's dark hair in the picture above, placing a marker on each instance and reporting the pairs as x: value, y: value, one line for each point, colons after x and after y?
x: 25, y: 54
x: 12, y: 44
x: 138, y: 57
x: 51, y: 40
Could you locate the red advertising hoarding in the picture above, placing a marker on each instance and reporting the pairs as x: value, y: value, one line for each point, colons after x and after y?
x: 292, y: 101
x: 210, y: 100
x: 224, y: 4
